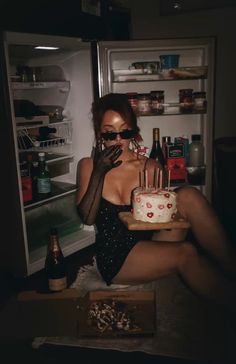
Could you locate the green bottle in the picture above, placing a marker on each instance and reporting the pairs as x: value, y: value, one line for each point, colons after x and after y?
x: 43, y: 178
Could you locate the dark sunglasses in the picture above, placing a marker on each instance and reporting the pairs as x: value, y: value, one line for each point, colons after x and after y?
x: 125, y: 134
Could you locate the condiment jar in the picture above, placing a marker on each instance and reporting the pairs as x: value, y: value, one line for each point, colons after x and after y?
x: 133, y: 100
x: 186, y: 100
x: 157, y: 101
x: 144, y: 104
x: 199, y: 101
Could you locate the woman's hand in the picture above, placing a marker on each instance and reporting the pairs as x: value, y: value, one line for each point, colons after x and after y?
x: 105, y: 160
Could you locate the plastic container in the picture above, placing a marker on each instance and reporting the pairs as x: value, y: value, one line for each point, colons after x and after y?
x: 196, y: 151
x: 169, y: 61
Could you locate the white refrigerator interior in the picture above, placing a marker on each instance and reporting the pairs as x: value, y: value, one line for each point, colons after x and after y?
x: 59, y: 83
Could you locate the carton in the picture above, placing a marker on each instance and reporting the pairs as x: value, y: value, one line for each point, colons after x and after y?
x: 98, y: 313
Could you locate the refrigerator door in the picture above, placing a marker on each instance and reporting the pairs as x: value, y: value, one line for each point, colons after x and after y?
x: 48, y: 90
x: 168, y: 65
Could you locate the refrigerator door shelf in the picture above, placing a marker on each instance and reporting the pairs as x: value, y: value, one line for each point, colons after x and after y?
x: 137, y: 77
x: 64, y: 86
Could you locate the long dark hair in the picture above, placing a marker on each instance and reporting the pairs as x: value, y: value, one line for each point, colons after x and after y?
x: 116, y: 102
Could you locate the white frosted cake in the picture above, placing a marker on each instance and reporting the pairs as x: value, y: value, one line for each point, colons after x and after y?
x: 153, y: 205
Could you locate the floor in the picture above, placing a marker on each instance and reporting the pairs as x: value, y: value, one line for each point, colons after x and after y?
x: 22, y: 349
x: 64, y: 355
x: 13, y: 350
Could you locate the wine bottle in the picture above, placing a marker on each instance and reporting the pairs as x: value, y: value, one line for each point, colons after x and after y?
x: 55, y: 267
x: 156, y: 151
x: 43, y: 177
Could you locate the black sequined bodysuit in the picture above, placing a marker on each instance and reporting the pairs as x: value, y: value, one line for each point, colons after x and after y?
x: 114, y: 241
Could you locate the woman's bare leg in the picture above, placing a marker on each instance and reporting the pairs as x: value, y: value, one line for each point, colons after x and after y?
x: 149, y: 260
x: 206, y: 227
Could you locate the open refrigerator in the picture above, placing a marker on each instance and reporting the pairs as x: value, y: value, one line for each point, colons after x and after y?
x: 54, y: 88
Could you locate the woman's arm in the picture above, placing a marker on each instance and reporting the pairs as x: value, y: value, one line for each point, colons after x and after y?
x: 90, y: 179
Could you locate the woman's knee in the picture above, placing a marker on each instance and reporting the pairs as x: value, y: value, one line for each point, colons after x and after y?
x: 188, y: 255
x: 188, y: 198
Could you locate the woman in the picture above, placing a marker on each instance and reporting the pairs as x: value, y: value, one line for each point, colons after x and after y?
x: 105, y: 184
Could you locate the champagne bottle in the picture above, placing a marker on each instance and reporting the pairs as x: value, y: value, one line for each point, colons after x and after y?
x: 43, y: 177
x: 55, y: 266
x: 156, y: 151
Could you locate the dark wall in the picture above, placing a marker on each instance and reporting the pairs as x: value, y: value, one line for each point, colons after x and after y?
x: 64, y: 18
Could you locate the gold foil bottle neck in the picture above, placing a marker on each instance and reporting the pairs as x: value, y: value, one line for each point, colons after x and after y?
x: 156, y: 134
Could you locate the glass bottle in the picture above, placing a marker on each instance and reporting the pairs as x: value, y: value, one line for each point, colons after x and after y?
x: 133, y: 100
x: 186, y: 100
x: 166, y: 140
x: 199, y: 101
x: 26, y: 180
x: 196, y: 151
x: 33, y: 170
x: 43, y: 177
x: 157, y: 101
x: 55, y: 266
x: 144, y: 104
x: 156, y: 151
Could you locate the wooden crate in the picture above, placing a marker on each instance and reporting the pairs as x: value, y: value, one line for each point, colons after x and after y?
x: 117, y: 313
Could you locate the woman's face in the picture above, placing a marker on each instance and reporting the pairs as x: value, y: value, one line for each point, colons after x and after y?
x: 113, y: 123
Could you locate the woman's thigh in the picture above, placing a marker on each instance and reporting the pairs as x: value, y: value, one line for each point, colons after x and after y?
x: 149, y: 260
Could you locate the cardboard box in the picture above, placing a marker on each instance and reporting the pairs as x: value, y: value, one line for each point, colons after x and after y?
x: 99, y: 313
x: 117, y: 313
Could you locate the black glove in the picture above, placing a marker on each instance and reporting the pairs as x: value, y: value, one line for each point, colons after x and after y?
x: 105, y: 160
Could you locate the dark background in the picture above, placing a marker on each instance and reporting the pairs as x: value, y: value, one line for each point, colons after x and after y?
x: 66, y: 18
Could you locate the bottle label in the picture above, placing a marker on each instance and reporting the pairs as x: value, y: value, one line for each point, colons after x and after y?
x: 44, y: 185
x: 57, y: 284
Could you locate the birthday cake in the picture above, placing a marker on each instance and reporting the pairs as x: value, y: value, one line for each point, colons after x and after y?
x: 153, y: 205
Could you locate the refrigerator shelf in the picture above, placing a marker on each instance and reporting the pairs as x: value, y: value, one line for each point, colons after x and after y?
x: 59, y: 189
x: 50, y: 156
x: 146, y: 78
x: 174, y: 111
x: 23, y: 123
x: 181, y: 73
x: 62, y: 85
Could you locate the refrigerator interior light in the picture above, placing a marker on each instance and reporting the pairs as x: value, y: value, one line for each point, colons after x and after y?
x: 47, y: 48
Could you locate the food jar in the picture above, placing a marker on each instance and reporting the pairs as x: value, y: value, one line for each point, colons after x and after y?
x: 144, y: 104
x: 199, y: 101
x: 186, y: 100
x: 133, y: 100
x: 157, y: 101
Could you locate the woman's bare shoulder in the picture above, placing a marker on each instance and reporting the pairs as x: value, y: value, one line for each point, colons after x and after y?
x: 85, y: 162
